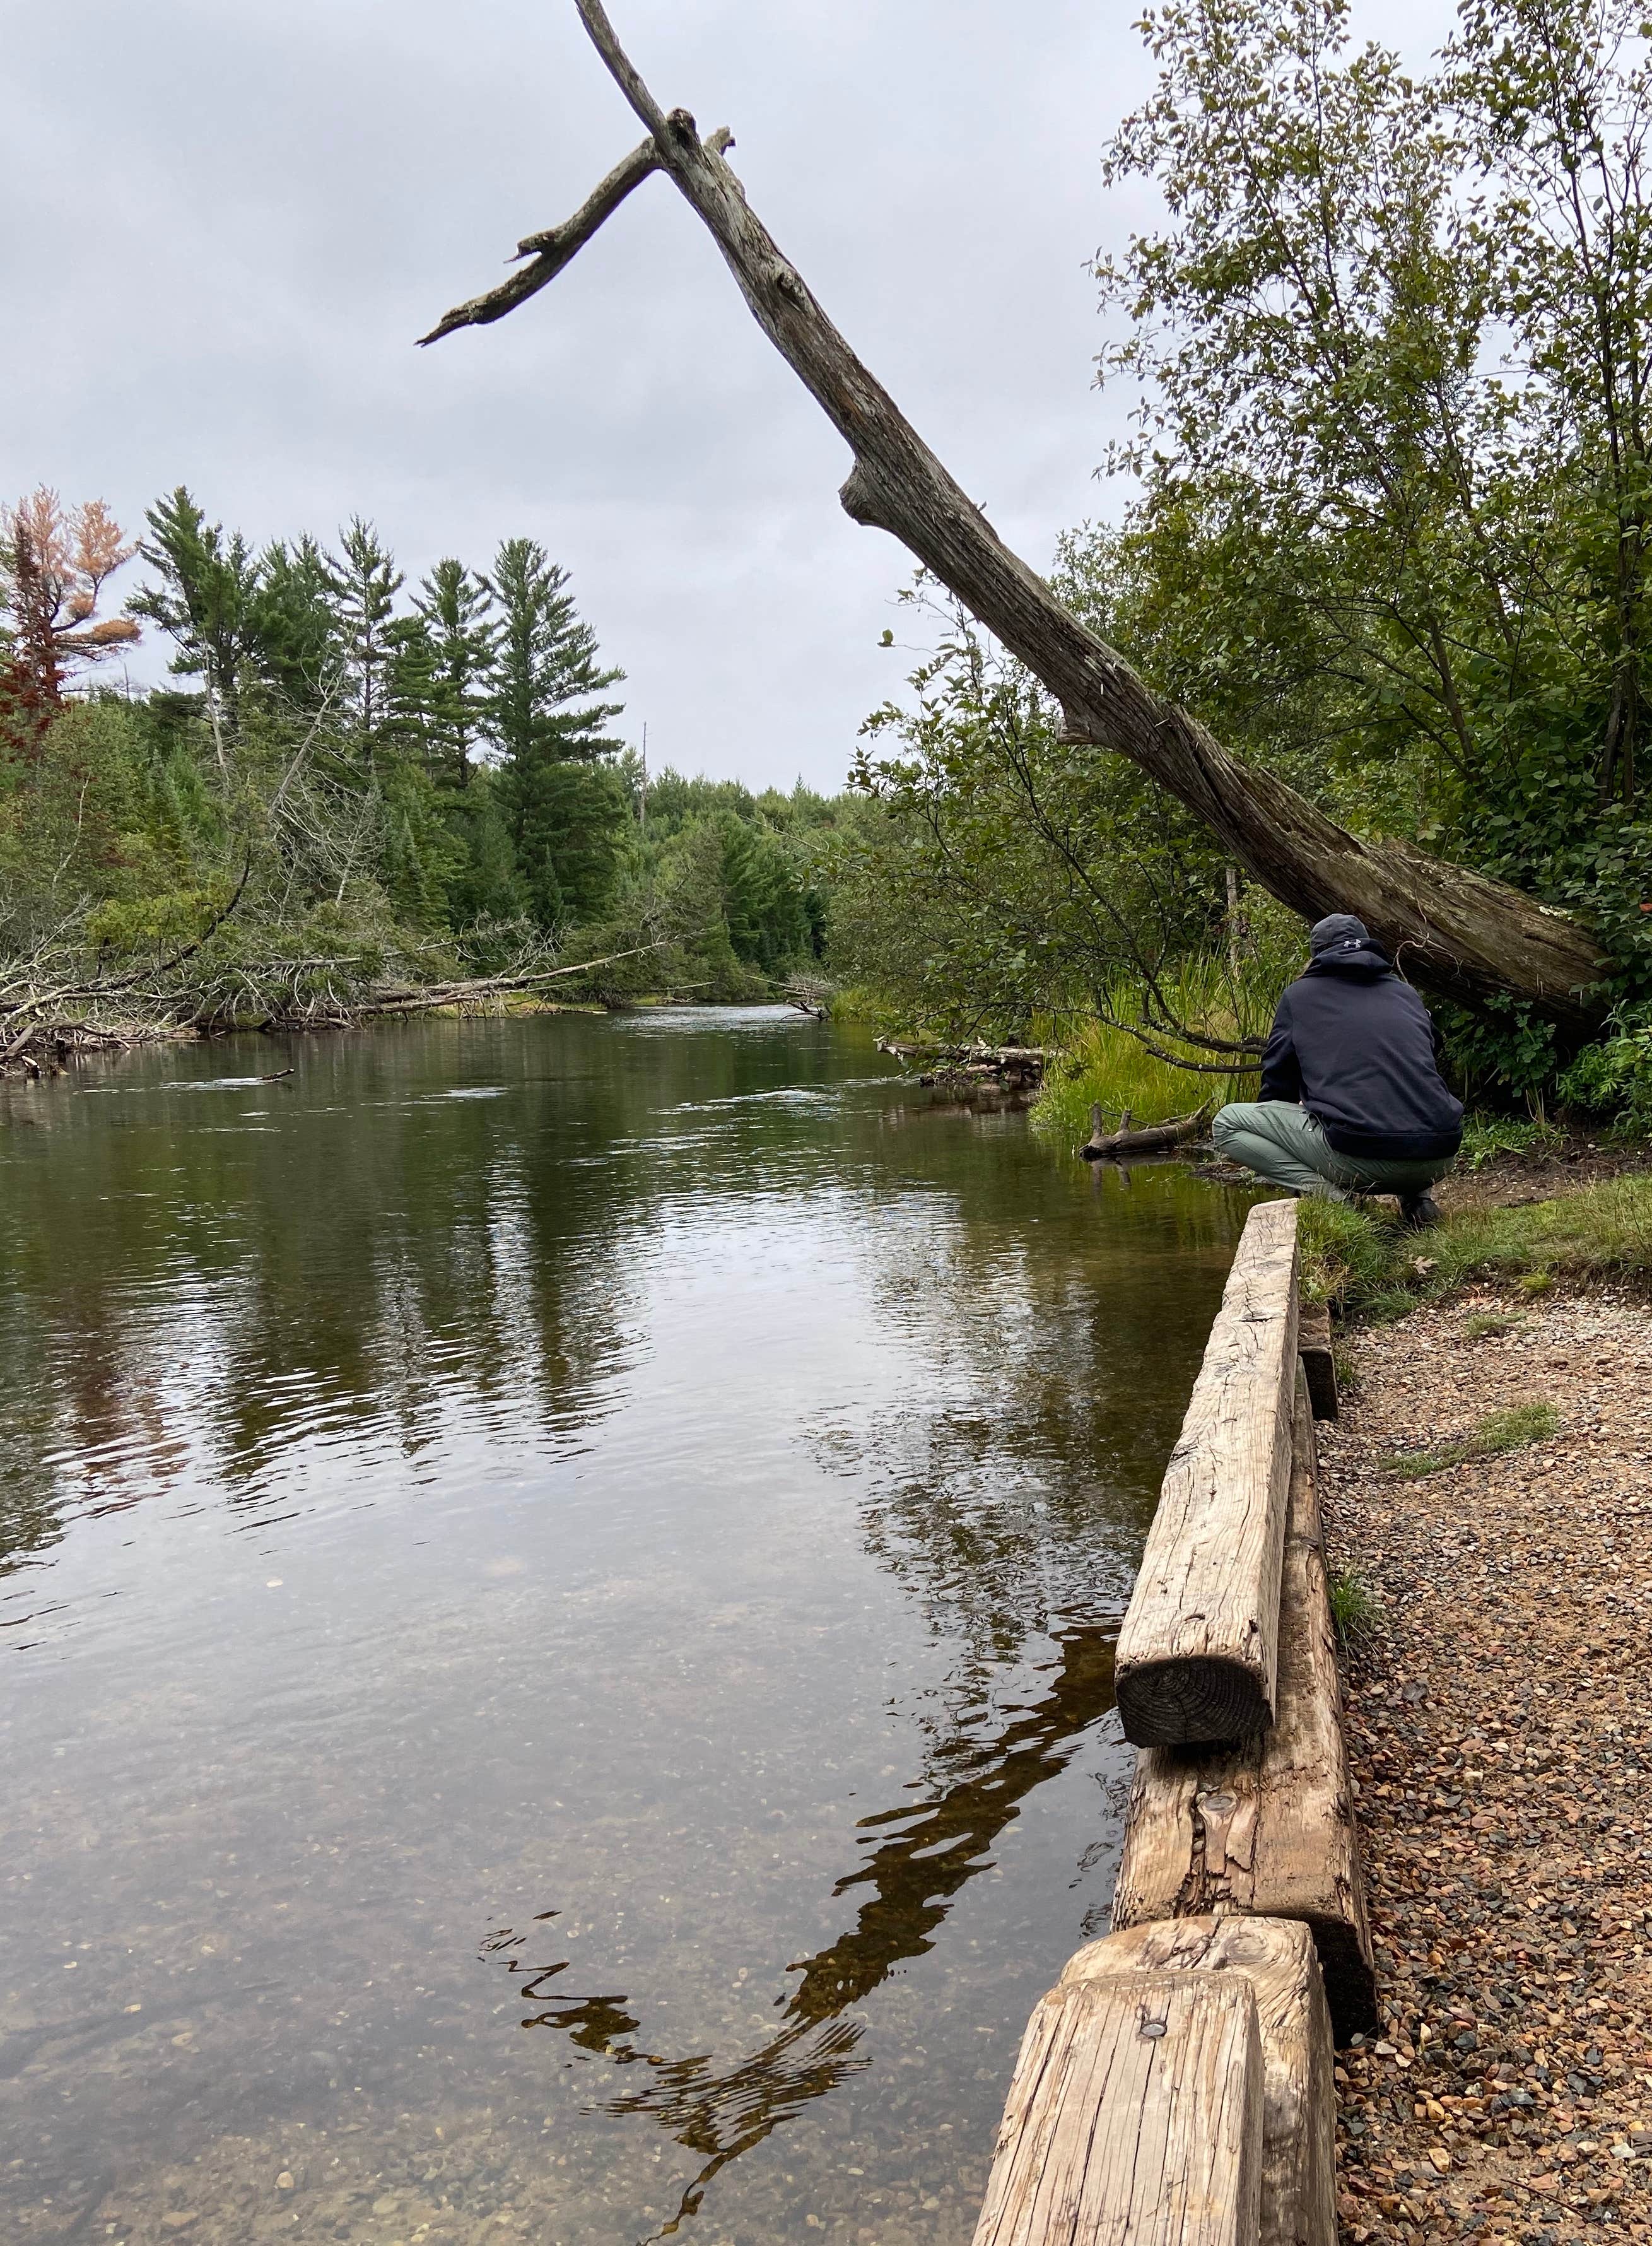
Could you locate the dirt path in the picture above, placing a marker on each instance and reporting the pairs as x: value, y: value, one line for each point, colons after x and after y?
x: 1500, y: 1729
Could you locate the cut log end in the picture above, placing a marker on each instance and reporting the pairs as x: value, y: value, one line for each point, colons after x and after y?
x: 1202, y: 1701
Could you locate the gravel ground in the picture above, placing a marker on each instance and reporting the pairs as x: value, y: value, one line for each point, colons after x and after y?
x: 1500, y: 1732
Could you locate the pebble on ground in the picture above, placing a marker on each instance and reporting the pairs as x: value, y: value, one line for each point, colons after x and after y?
x: 1499, y: 1723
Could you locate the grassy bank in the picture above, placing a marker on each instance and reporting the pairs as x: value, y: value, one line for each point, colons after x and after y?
x: 1111, y: 1069
x: 1363, y: 1263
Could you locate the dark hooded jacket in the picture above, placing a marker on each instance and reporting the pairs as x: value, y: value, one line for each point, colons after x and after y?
x: 1355, y: 1045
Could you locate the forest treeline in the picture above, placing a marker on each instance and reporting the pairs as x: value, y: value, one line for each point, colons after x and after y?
x: 349, y: 784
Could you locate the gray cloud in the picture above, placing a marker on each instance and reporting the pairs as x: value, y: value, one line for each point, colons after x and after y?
x: 226, y: 226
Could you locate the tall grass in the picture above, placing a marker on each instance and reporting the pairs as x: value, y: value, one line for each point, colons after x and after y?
x: 1108, y: 1067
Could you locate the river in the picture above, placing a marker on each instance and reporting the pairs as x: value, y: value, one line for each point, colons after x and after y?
x: 557, y: 1585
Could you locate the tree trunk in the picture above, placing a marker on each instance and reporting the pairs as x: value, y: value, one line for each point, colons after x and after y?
x: 1462, y: 935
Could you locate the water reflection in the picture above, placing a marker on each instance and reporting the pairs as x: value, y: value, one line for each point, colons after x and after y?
x: 720, y: 2111
x: 641, y: 1499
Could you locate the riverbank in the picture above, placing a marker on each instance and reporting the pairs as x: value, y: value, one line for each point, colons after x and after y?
x: 1498, y: 1725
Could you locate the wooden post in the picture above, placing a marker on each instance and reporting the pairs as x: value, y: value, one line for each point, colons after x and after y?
x: 1198, y: 1656
x: 1173, y: 2089
x: 1314, y: 1347
x: 1267, y: 1827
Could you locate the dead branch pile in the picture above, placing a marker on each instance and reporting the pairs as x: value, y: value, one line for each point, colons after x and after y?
x: 61, y: 1000
x: 1008, y: 1068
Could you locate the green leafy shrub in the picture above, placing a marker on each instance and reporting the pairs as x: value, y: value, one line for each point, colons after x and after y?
x: 1615, y: 1076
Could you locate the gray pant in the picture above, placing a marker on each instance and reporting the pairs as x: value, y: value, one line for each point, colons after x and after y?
x: 1287, y: 1145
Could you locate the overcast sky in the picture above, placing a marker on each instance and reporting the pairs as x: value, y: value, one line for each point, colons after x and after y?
x: 224, y: 227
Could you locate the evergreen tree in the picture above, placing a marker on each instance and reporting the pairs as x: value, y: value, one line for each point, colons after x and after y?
x: 456, y: 660
x: 569, y: 814
x: 205, y: 598
x: 296, y: 640
x: 365, y: 583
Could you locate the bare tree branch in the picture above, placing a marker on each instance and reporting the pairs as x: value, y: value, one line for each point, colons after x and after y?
x: 1473, y: 938
x: 550, y: 251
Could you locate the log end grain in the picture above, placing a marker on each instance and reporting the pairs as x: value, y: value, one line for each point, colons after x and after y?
x: 1194, y: 1701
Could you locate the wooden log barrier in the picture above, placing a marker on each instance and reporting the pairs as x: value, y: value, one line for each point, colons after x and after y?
x: 1267, y: 1827
x: 1173, y: 2089
x: 1314, y: 1347
x: 1198, y: 1655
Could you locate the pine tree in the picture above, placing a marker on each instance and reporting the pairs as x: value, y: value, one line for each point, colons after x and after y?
x: 365, y: 582
x: 53, y: 566
x: 203, y: 598
x: 455, y: 662
x: 569, y: 814
x: 295, y: 637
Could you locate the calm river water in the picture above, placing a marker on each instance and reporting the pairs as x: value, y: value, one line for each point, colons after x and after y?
x: 557, y: 1586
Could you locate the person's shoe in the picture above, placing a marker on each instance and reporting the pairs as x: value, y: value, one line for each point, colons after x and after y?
x: 1417, y: 1211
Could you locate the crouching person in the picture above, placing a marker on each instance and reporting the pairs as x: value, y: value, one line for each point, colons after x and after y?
x: 1352, y: 1099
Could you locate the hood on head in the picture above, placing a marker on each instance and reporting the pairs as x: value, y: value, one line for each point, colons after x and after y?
x: 1342, y: 945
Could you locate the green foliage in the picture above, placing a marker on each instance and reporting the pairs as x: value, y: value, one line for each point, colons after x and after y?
x: 1000, y: 872
x: 382, y: 783
x: 1110, y: 1067
x: 1509, y: 1430
x: 1485, y: 1137
x: 1357, y: 1612
x: 1614, y: 1076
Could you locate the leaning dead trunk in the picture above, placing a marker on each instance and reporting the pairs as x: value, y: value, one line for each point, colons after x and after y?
x: 1465, y: 935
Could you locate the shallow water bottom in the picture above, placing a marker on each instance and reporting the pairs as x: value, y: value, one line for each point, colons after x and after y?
x: 557, y: 1587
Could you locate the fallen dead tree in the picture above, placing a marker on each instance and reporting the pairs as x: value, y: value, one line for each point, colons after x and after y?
x: 46, y: 1019
x: 1468, y: 937
x: 1006, y: 1068
x: 1144, y: 1138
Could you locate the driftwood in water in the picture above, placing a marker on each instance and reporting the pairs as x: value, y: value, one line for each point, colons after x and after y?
x: 1266, y: 1828
x: 1119, y: 2125
x: 1467, y: 935
x: 809, y: 995
x: 1145, y: 1139
x: 482, y: 987
x: 1198, y: 1655
x: 983, y: 1056
x: 965, y: 1068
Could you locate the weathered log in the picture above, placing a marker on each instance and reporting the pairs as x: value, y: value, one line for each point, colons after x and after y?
x: 433, y: 995
x: 1299, y: 2093
x: 1086, y: 2152
x: 995, y: 1056
x: 1135, y: 2114
x: 1198, y: 1654
x: 1145, y: 1139
x: 1267, y: 1828
x: 1463, y: 934
x: 1314, y: 1347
